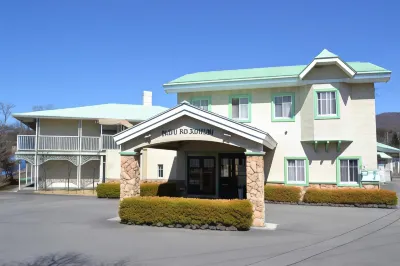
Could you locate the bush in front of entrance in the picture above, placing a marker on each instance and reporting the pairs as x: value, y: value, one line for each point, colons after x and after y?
x: 282, y: 193
x: 112, y: 190
x: 167, y: 189
x: 167, y: 211
x: 108, y: 190
x: 350, y: 196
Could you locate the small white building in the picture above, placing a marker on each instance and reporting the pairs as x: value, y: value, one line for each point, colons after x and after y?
x: 74, y: 147
x: 388, y: 161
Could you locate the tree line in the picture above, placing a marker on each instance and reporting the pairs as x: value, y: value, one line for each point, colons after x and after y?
x: 388, y: 137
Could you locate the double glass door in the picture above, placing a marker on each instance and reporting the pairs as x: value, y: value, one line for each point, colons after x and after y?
x: 201, y: 175
x: 232, y: 180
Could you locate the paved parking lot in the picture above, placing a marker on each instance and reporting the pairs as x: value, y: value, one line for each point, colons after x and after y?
x: 37, y: 225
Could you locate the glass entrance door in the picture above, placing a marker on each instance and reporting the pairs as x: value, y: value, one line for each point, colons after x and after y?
x: 201, y: 175
x: 232, y: 180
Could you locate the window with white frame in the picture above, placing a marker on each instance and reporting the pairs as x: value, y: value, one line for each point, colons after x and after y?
x: 240, y: 108
x: 349, y: 172
x: 201, y: 103
x: 296, y: 171
x: 160, y: 170
x: 326, y: 101
x: 283, y: 106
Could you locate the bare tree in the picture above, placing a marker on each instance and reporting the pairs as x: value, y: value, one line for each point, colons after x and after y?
x: 42, y: 107
x: 6, y: 163
x: 5, y: 110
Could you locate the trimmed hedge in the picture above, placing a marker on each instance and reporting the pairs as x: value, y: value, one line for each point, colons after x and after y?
x: 108, y: 190
x: 282, y: 193
x: 350, y: 196
x: 158, y: 189
x: 185, y: 211
x: 112, y: 190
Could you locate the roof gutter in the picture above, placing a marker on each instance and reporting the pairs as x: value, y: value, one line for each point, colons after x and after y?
x: 268, y: 83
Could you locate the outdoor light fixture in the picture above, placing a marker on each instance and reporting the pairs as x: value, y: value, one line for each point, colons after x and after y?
x: 227, y: 135
x: 148, y: 136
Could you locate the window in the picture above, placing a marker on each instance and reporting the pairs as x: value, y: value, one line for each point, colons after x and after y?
x: 160, y: 170
x: 326, y: 105
x: 296, y: 171
x: 283, y: 107
x: 203, y: 103
x: 349, y: 172
x: 240, y: 108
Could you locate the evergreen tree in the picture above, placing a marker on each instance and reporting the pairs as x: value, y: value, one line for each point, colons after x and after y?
x: 395, y: 140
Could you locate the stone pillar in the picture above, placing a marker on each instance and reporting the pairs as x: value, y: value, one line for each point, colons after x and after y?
x: 255, y: 187
x: 130, y: 176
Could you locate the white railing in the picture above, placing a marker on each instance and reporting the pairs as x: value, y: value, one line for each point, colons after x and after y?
x: 66, y: 143
x: 26, y: 142
x: 90, y: 143
x: 59, y: 143
x: 109, y: 143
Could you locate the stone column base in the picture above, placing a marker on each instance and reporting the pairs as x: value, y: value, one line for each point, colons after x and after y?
x: 130, y: 176
x: 255, y: 188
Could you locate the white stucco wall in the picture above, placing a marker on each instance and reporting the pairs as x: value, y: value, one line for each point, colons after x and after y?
x: 356, y: 124
x: 113, y: 164
x: 154, y: 157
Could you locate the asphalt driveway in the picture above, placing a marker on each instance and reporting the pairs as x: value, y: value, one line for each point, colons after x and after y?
x: 34, y: 225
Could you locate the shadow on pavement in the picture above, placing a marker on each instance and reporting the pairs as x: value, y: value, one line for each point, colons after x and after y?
x: 67, y: 259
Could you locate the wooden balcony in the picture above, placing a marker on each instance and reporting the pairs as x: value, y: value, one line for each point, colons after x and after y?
x: 66, y: 143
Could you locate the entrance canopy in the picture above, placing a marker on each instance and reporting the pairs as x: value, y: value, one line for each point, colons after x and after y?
x: 186, y: 122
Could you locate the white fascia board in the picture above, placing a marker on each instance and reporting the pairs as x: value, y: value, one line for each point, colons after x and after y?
x: 259, y: 138
x: 231, y: 85
x: 174, y: 111
x: 358, y: 78
x: 328, y: 61
x: 208, y: 118
x: 372, y: 77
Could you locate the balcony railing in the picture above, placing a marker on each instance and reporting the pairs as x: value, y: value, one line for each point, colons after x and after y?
x: 66, y: 143
x: 26, y: 142
x: 58, y: 143
x: 90, y: 143
x: 109, y: 143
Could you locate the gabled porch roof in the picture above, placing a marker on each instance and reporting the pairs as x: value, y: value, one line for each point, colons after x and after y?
x: 186, y: 109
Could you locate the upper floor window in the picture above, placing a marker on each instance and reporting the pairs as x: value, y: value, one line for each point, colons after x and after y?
x: 283, y: 107
x: 202, y: 103
x: 240, y: 108
x: 326, y: 104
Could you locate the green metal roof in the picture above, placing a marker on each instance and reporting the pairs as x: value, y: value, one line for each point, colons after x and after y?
x: 383, y: 155
x: 326, y: 54
x: 128, y: 112
x: 264, y: 73
x: 386, y: 148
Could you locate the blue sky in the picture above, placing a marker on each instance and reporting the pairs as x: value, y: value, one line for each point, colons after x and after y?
x: 76, y: 52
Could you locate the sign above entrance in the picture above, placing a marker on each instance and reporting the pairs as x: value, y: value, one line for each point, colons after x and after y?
x: 188, y: 131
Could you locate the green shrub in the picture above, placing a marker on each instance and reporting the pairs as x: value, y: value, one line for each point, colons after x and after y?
x: 158, y: 189
x: 282, y: 193
x: 351, y: 196
x: 112, y: 190
x: 108, y: 190
x: 185, y: 211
